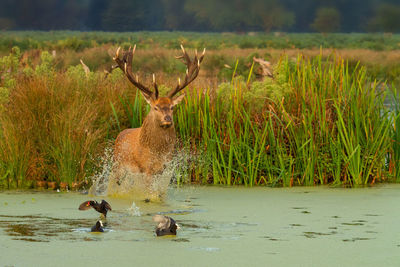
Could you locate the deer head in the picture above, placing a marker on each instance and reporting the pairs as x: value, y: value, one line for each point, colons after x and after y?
x: 161, y: 107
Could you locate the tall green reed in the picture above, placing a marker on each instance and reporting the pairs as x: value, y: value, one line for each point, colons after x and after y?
x: 394, y: 156
x: 331, y: 127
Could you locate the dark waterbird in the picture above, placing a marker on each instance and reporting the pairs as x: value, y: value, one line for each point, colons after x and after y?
x: 166, y: 225
x: 102, y: 207
x: 98, y: 227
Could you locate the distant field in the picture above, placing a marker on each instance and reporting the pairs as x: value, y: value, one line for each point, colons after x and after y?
x: 78, y: 41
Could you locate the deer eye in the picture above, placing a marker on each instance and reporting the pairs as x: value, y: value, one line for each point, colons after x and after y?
x: 155, y: 108
x: 172, y: 108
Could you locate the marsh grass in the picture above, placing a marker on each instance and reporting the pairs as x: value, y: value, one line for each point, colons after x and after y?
x: 330, y: 128
x: 394, y: 156
x: 54, y: 127
x: 320, y: 120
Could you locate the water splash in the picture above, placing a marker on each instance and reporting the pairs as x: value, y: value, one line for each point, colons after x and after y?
x: 101, y: 178
x: 134, y: 210
x: 123, y: 182
x: 118, y: 181
x: 207, y: 249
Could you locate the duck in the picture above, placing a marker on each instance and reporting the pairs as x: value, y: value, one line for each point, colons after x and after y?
x: 166, y: 225
x: 98, y: 227
x: 102, y: 207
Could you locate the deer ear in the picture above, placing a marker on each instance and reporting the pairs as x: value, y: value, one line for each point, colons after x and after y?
x: 178, y: 99
x: 146, y: 97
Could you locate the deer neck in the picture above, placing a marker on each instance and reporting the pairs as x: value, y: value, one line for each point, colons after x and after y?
x: 156, y: 138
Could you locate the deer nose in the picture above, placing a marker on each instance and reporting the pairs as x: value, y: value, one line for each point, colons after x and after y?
x: 168, y: 118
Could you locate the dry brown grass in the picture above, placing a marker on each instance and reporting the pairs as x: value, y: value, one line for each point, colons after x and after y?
x: 99, y: 58
x: 161, y: 61
x: 54, y: 127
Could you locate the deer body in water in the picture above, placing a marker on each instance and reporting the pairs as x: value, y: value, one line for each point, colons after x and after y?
x: 148, y: 148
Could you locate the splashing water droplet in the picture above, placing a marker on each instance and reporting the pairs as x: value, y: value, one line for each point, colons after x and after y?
x: 134, y: 210
x: 100, y: 179
x: 111, y: 180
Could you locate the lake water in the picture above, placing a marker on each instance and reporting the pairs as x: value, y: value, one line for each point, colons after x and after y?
x: 235, y: 226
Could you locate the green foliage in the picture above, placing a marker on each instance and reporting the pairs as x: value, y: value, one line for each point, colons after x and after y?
x: 241, y: 15
x: 10, y: 63
x: 76, y: 72
x: 9, y: 68
x: 395, y: 134
x: 46, y: 66
x: 135, y: 15
x: 326, y: 20
x: 74, y: 43
x: 386, y: 18
x: 270, y: 89
x: 4, y: 93
x: 116, y: 75
x: 8, y: 72
x: 273, y: 16
x: 264, y: 91
x: 28, y: 40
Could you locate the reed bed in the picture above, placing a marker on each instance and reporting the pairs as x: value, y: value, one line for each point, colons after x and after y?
x: 319, y: 120
x: 330, y: 126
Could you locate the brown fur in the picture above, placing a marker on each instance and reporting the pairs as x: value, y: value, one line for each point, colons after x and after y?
x: 148, y: 148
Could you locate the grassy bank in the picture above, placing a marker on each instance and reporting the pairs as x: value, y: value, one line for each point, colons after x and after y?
x: 320, y: 120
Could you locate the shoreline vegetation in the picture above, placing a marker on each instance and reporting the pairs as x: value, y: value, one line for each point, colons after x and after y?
x: 378, y: 52
x: 327, y: 116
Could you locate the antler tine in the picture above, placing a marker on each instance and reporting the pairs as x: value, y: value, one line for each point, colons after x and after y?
x: 155, y: 86
x: 109, y: 70
x: 117, y: 53
x: 193, y: 68
x: 125, y: 64
x: 185, y: 55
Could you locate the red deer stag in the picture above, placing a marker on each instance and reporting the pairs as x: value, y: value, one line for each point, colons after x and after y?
x: 148, y: 148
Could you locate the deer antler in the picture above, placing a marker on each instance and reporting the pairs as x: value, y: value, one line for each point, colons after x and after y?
x: 85, y: 68
x: 125, y: 64
x: 109, y: 70
x: 193, y: 68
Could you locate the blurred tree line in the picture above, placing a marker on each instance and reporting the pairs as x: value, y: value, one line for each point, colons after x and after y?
x: 202, y: 15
